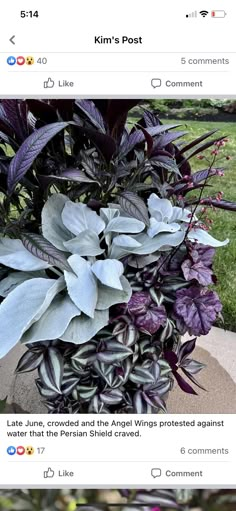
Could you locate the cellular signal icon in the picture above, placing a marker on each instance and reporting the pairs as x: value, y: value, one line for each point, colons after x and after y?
x: 192, y: 14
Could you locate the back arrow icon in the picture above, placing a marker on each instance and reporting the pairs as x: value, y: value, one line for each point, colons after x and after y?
x: 12, y: 39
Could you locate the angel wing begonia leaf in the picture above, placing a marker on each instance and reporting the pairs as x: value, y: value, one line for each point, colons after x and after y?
x: 108, y: 272
x: 85, y: 244
x: 79, y: 217
x: 108, y: 296
x: 82, y: 285
x: 16, y: 278
x: 16, y: 256
x: 53, y: 322
x: 205, y: 238
x: 83, y: 328
x: 53, y: 228
x: 22, y: 307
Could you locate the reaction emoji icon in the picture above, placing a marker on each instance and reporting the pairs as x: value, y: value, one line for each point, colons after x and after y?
x: 29, y: 61
x: 20, y: 450
x: 20, y: 61
x: 29, y: 450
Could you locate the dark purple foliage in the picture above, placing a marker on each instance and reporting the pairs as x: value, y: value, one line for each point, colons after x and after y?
x: 198, y: 308
x: 197, y: 271
x: 139, y: 303
x: 150, y: 321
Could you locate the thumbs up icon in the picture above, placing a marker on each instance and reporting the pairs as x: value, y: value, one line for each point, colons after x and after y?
x: 49, y: 473
x: 49, y: 84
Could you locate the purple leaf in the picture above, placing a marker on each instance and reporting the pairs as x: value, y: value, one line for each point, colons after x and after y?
x: 137, y: 136
x: 202, y: 253
x: 192, y: 379
x: 202, y: 175
x: 183, y: 384
x: 187, y: 348
x: 16, y: 114
x: 150, y: 321
x: 167, y: 138
x: 196, y: 142
x: 197, y: 271
x: 132, y: 204
x: 89, y: 108
x: 75, y: 175
x: 221, y: 204
x: 139, y: 302
x: 198, y: 308
x: 43, y: 249
x: 29, y: 150
x: 172, y: 359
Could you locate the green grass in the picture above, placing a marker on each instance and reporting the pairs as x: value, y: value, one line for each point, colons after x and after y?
x: 224, y: 225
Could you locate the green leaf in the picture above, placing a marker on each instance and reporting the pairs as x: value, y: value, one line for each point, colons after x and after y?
x: 3, y: 403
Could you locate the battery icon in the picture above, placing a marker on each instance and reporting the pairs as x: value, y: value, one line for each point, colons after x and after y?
x: 218, y: 14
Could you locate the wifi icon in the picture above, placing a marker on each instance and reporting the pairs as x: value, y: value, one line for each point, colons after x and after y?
x: 204, y: 13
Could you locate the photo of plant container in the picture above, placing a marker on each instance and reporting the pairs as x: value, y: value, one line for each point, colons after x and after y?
x: 106, y: 259
x: 119, y: 500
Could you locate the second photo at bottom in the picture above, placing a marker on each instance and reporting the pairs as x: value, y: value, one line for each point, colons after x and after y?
x: 118, y: 500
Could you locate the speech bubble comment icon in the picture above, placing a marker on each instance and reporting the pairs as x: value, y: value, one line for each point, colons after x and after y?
x: 156, y: 82
x: 155, y: 472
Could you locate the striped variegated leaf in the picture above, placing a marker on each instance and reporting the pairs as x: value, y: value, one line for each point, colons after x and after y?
x: 111, y: 397
x: 113, y: 352
x: 140, y: 376
x: 30, y: 361
x: 51, y: 370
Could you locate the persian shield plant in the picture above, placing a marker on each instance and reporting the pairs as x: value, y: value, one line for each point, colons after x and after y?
x: 106, y: 259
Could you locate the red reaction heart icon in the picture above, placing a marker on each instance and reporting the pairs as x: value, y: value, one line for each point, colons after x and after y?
x: 20, y: 61
x: 20, y: 450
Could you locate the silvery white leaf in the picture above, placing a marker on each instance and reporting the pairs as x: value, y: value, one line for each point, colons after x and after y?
x: 108, y: 296
x: 82, y: 286
x: 83, y: 329
x: 16, y: 278
x: 85, y: 244
x: 123, y: 245
x: 160, y: 242
x: 52, y: 226
x: 160, y: 209
x: 157, y: 227
x: 78, y: 217
x: 107, y: 214
x: 21, y: 308
x: 181, y: 215
x: 16, y: 256
x: 140, y: 261
x: 125, y: 224
x: 109, y: 272
x: 205, y: 238
x: 53, y: 322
